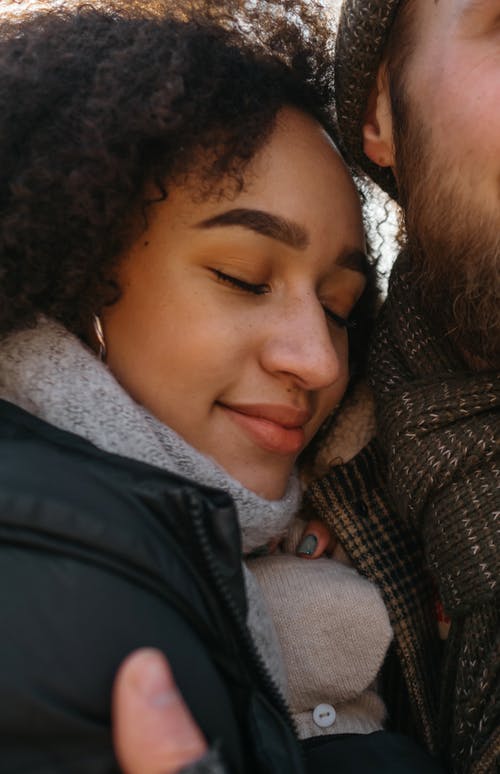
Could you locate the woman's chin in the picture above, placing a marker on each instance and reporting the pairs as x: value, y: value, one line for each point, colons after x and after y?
x: 269, y: 484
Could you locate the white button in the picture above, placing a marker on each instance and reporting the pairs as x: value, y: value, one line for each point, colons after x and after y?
x: 324, y: 715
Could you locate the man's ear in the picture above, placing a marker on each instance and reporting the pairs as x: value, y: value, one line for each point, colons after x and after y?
x: 377, y: 126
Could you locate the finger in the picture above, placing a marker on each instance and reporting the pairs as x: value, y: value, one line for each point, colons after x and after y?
x: 316, y: 541
x: 153, y: 730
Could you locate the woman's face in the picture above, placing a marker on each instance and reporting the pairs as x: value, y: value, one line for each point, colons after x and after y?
x: 224, y: 330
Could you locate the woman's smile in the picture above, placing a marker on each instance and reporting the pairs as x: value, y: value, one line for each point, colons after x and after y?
x: 275, y: 428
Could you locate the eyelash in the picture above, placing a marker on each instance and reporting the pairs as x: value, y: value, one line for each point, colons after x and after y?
x: 262, y: 289
x: 342, y: 322
x: 248, y: 287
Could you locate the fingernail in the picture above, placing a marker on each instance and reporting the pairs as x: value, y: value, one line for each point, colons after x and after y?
x: 151, y: 677
x: 308, y: 545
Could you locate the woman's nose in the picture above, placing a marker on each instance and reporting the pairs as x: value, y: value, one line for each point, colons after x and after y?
x: 299, y: 343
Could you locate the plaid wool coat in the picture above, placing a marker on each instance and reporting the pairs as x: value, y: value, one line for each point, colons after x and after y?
x: 353, y: 500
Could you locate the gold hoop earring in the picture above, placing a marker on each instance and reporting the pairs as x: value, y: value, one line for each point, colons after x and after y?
x: 99, y: 334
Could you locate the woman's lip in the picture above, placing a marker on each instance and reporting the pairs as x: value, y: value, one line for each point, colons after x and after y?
x: 287, y: 416
x: 270, y: 434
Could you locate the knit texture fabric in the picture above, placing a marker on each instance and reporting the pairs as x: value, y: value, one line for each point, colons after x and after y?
x: 364, y: 27
x: 439, y: 424
x: 334, y: 632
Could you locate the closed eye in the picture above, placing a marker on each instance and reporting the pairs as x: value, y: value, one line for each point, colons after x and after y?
x: 236, y: 282
x: 260, y: 289
x: 342, y: 322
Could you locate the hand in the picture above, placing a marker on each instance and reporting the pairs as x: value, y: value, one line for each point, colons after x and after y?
x: 153, y: 730
x: 316, y: 541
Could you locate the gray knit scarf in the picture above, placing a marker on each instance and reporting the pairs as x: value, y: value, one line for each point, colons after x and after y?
x: 50, y: 373
x: 440, y: 425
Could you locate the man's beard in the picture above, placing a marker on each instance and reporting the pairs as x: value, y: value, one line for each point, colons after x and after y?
x: 453, y: 241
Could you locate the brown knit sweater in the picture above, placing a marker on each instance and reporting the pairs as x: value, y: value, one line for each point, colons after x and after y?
x: 418, y: 512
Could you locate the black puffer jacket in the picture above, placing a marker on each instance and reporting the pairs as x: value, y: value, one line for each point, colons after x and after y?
x: 100, y: 555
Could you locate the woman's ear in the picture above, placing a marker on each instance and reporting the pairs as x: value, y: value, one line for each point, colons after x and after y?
x: 377, y: 127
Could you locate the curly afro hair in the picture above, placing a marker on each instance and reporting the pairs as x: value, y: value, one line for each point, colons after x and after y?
x: 98, y: 102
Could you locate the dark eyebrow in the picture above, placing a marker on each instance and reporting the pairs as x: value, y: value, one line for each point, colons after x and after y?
x: 356, y: 260
x: 261, y: 222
